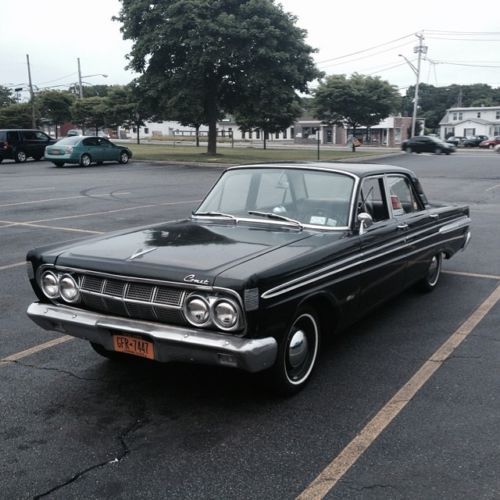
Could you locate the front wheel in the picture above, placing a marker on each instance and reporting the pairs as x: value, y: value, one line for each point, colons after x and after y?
x: 124, y: 157
x: 20, y: 156
x: 85, y: 160
x: 431, y: 279
x: 297, y: 353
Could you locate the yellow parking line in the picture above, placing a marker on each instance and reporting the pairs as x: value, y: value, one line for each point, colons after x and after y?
x: 33, y: 350
x: 334, y: 471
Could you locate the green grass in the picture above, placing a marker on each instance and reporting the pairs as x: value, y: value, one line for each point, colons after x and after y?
x: 235, y: 155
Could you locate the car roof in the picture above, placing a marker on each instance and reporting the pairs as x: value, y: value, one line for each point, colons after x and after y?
x: 357, y: 169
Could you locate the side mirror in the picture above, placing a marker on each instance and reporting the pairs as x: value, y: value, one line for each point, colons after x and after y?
x: 366, y: 220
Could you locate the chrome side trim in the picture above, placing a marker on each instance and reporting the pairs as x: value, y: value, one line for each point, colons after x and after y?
x: 299, y: 282
x: 452, y: 226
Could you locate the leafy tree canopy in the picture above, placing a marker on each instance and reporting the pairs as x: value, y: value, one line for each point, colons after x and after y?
x: 16, y: 116
x: 356, y: 101
x: 6, y: 97
x: 216, y: 52
x: 90, y: 112
x: 55, y: 105
x: 434, y: 101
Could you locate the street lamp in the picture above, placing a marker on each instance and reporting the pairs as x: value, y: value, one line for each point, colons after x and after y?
x: 420, y: 49
x: 80, y: 83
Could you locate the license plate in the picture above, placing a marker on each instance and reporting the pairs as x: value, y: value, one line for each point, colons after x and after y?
x: 55, y: 152
x: 134, y: 345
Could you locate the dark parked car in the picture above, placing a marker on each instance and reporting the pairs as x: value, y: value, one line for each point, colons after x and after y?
x: 456, y: 140
x: 474, y: 141
x: 21, y: 144
x: 275, y: 258
x: 427, y: 144
x: 85, y: 151
x: 490, y: 143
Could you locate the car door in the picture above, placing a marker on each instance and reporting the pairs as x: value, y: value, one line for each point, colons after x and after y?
x: 383, y: 252
x: 109, y: 153
x: 416, y: 223
x: 92, y: 147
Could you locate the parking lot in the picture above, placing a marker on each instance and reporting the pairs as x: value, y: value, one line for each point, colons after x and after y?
x: 390, y: 413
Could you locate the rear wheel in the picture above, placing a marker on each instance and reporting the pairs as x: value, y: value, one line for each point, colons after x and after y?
x: 124, y: 157
x: 297, y: 353
x: 438, y: 151
x: 431, y: 279
x: 20, y: 156
x: 85, y: 160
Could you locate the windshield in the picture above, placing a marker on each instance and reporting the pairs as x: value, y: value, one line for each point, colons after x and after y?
x: 69, y: 141
x: 308, y: 197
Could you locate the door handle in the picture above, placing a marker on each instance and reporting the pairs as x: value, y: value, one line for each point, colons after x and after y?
x: 403, y: 226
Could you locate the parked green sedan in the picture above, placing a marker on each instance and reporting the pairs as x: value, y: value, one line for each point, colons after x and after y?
x: 85, y: 151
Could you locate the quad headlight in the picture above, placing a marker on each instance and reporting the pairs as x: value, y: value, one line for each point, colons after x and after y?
x: 225, y: 314
x: 62, y: 286
x: 197, y: 310
x: 202, y: 311
x: 68, y: 288
x: 50, y: 284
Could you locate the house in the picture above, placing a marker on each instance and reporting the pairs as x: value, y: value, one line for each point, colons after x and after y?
x: 465, y: 122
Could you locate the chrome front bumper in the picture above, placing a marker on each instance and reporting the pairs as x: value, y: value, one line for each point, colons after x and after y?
x: 171, y: 343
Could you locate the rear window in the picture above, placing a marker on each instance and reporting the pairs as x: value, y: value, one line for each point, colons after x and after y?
x: 69, y: 141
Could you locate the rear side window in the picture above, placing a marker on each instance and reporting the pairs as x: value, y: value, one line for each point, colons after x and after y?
x: 2, y: 136
x: 91, y: 141
x: 403, y: 199
x: 29, y: 135
x: 12, y: 137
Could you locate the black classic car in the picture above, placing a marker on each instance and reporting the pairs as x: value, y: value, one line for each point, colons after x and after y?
x: 427, y: 144
x: 274, y: 258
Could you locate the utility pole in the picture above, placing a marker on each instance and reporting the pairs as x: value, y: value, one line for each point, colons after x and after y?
x: 32, y: 94
x: 420, y: 49
x: 80, y: 88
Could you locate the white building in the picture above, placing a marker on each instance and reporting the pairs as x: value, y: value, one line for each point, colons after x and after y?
x: 465, y: 122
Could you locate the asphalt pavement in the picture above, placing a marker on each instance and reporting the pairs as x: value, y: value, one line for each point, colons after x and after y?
x: 74, y: 425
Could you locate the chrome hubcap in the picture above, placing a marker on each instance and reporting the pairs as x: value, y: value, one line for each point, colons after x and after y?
x: 298, y: 349
x: 434, y: 268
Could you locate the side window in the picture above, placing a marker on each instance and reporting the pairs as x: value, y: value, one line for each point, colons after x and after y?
x: 29, y: 135
x: 12, y: 137
x: 40, y: 136
x: 372, y: 199
x: 91, y: 141
x: 403, y: 199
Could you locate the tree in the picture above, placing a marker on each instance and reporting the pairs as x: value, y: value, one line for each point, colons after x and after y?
x: 16, y: 116
x: 90, y: 112
x: 269, y: 113
x: 356, y: 101
x: 6, y: 97
x: 216, y: 52
x: 55, y: 106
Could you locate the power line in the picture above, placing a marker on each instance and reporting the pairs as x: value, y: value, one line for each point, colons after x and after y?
x: 365, y: 50
x: 369, y: 55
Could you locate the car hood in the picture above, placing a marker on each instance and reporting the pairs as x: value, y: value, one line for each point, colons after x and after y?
x: 182, y: 251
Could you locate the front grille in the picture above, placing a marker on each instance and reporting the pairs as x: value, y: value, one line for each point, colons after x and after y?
x: 131, y: 299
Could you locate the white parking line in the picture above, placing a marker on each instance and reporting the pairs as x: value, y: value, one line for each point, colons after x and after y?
x: 42, y: 226
x: 333, y: 472
x: 12, y: 266
x: 48, y: 200
x: 474, y: 275
x: 493, y: 187
x: 187, y: 202
x: 26, y: 189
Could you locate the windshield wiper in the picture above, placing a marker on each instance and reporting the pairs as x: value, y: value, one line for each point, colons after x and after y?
x: 271, y: 215
x: 216, y: 214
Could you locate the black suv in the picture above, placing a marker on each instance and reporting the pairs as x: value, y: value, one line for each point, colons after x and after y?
x: 474, y: 141
x: 20, y: 144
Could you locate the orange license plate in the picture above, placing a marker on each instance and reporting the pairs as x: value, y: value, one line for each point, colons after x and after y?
x: 134, y: 345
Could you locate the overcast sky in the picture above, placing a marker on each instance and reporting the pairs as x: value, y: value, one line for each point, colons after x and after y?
x: 56, y: 32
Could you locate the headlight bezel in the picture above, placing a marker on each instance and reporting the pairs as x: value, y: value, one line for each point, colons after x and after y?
x: 212, y: 301
x: 73, y: 281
